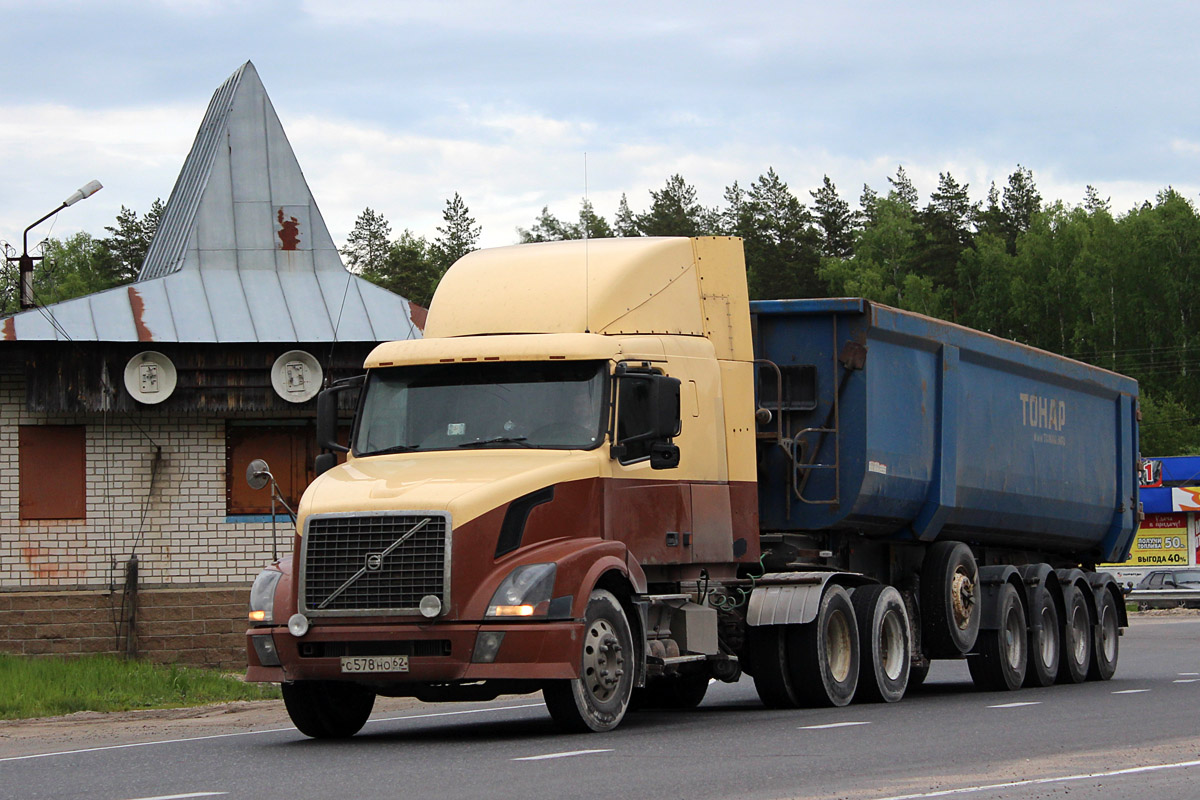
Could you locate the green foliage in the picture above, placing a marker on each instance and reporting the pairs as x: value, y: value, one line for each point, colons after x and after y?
x: 457, y: 236
x: 1169, y: 428
x: 549, y: 228
x: 674, y: 211
x: 408, y: 269
x: 368, y: 244
x: 52, y: 686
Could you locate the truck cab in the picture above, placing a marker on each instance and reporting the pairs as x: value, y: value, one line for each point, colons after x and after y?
x: 572, y: 440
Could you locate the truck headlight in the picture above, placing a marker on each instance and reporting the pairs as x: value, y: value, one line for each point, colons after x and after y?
x: 524, y: 593
x: 262, y: 597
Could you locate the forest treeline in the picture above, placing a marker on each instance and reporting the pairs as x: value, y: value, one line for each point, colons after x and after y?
x: 1114, y: 289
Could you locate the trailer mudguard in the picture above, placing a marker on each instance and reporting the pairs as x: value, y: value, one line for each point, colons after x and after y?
x: 792, y: 598
x: 1104, y: 582
x: 991, y: 582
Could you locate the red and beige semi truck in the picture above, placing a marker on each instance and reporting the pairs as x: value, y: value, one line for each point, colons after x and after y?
x: 606, y: 475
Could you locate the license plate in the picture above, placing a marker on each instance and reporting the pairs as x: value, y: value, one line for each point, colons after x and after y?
x: 374, y: 663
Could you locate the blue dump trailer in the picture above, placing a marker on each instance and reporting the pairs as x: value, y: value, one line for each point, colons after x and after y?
x: 980, y: 479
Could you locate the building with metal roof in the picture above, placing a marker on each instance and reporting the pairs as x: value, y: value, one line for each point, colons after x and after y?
x: 128, y: 417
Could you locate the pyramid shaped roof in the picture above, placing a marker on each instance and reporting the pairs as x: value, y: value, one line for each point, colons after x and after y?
x: 241, y: 253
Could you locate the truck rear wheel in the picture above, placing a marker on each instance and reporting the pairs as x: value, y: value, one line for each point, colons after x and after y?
x: 884, y: 643
x: 328, y: 709
x: 1105, y: 645
x: 824, y: 653
x: 1045, y: 644
x: 1076, y: 628
x: 1000, y: 659
x: 950, y: 600
x: 769, y: 655
x: 598, y: 699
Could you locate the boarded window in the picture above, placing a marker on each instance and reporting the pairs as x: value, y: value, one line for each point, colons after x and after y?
x: 289, y: 451
x: 53, y: 467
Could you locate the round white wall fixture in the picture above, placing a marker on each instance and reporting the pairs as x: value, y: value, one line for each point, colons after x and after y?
x: 296, y: 376
x: 150, y: 377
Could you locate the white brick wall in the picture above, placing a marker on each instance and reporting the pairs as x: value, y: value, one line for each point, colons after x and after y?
x: 184, y: 538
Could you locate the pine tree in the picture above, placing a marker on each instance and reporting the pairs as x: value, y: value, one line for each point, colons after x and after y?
x: 835, y: 220
x: 409, y: 269
x: 674, y: 211
x: 1021, y: 202
x: 457, y: 237
x: 368, y: 243
x: 903, y: 189
x: 592, y: 224
x: 625, y: 223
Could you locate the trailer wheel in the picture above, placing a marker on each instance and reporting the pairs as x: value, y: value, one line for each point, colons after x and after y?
x: 950, y: 606
x: 328, y: 709
x: 1076, y: 627
x: 673, y: 691
x: 1105, y: 645
x: 1001, y: 655
x: 598, y: 699
x: 824, y: 653
x: 884, y: 643
x: 1045, y: 643
x: 769, y: 655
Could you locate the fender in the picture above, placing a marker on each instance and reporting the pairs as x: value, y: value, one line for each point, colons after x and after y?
x: 1104, y: 582
x: 1076, y: 577
x: 792, y: 598
x: 1037, y: 577
x: 991, y: 582
x: 579, y: 565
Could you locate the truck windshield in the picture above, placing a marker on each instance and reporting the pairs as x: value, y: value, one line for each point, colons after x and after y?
x: 508, y: 404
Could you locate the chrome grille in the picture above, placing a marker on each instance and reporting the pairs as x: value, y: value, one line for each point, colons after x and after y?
x: 369, y: 563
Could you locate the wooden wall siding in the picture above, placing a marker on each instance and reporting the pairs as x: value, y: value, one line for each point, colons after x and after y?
x: 218, y: 378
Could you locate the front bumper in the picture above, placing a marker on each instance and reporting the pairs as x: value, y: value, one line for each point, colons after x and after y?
x: 437, y: 653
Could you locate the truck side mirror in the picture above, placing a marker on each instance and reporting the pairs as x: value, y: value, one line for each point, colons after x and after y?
x: 327, y: 423
x: 648, y: 417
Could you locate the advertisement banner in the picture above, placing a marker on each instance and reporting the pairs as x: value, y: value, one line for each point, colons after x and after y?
x: 1162, y: 540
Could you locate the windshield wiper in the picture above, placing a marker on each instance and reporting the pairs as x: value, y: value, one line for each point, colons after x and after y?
x: 398, y: 448
x: 498, y: 440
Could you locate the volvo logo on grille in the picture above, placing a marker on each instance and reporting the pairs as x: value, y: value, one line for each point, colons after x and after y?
x: 375, y: 562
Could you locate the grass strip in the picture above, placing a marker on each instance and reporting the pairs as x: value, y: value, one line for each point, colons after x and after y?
x: 52, y: 686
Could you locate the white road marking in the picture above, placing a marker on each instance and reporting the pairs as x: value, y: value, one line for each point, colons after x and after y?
x: 1131, y: 691
x: 1189, y: 674
x: 1185, y: 680
x: 1019, y: 704
x: 255, y: 733
x: 568, y: 754
x: 831, y: 725
x: 182, y: 796
x: 1042, y: 781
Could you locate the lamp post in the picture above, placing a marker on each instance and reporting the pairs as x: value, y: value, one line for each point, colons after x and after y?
x: 25, y: 261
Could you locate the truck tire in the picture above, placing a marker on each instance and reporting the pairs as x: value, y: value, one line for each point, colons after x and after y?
x: 1076, y: 638
x: 598, y: 699
x: 1045, y: 642
x: 823, y: 654
x: 328, y: 709
x: 772, y: 675
x: 1106, y: 642
x: 950, y: 600
x: 672, y: 691
x: 884, y: 643
x: 1001, y: 655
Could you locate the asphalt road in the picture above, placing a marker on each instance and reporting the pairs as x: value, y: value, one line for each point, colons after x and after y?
x: 1135, y: 736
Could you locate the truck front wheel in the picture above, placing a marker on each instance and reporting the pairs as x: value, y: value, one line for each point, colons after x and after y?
x: 328, y: 709
x: 598, y: 699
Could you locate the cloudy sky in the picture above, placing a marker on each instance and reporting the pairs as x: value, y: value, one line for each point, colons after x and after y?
x: 397, y: 105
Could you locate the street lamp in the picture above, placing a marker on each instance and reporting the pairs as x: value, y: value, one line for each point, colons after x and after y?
x: 25, y: 261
